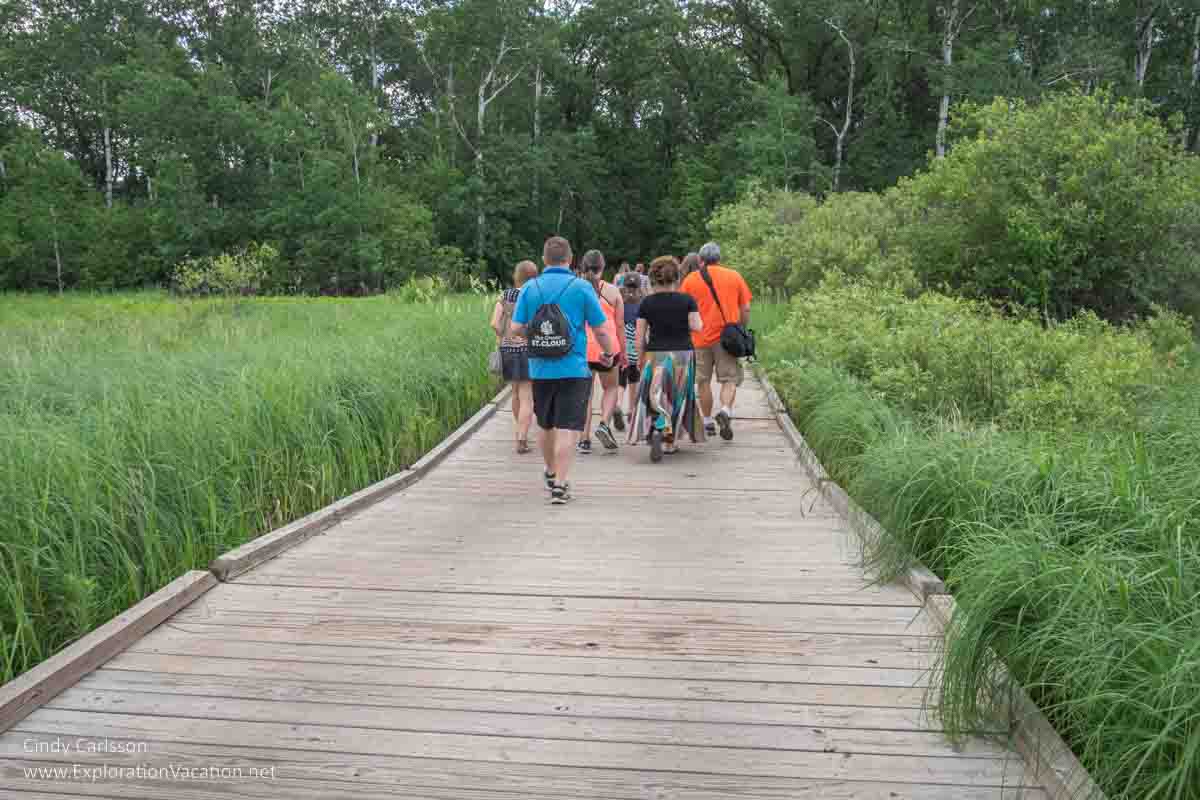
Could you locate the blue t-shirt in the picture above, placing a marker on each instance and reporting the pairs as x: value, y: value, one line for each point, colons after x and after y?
x: 579, y: 304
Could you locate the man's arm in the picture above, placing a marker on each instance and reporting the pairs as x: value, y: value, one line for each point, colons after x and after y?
x: 640, y: 340
x: 745, y: 320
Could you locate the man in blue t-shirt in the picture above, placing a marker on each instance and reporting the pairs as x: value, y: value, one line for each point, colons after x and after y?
x: 561, y: 386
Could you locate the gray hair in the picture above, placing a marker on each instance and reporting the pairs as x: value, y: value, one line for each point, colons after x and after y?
x: 710, y: 253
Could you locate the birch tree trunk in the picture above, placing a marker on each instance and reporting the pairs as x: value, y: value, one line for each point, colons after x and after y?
x: 374, y: 89
x: 266, y: 84
x: 57, y: 251
x: 537, y: 135
x: 1193, y: 137
x: 839, y: 134
x: 947, y: 62
x: 480, y: 214
x: 108, y: 159
x: 1144, y: 32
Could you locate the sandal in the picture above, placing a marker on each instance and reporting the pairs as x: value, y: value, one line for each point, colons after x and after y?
x: 522, y: 447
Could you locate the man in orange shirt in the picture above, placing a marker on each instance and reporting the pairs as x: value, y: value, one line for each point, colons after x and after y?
x: 731, y: 304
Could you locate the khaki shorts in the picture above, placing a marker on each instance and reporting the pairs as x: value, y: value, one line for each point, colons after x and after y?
x: 728, y: 368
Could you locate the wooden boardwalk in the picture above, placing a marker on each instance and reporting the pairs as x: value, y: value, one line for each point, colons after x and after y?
x: 693, y: 630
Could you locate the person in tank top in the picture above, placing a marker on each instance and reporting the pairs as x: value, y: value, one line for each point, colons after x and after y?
x: 514, y: 354
x: 591, y: 269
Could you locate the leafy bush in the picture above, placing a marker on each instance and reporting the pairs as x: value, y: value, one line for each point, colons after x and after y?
x: 937, y: 354
x: 781, y: 239
x: 1081, y: 202
x: 241, y: 272
x: 753, y: 233
x: 424, y: 289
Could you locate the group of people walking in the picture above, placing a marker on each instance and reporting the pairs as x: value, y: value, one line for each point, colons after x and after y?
x: 654, y: 334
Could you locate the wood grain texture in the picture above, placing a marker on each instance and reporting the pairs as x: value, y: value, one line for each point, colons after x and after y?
x: 691, y: 630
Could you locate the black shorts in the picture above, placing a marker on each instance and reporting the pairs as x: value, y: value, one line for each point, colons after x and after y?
x: 596, y: 366
x: 561, y: 403
x: 630, y: 375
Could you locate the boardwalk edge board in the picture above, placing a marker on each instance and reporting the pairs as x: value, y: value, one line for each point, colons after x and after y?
x: 1047, y: 755
x: 25, y: 693
x: 269, y: 545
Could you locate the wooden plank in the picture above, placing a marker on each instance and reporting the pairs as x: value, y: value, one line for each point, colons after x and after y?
x: 27, y: 692
x: 976, y: 771
x: 810, y: 649
x: 363, y: 777
x: 631, y: 726
x: 168, y: 684
x: 524, y: 610
x: 330, y: 572
x: 660, y: 688
x: 167, y: 640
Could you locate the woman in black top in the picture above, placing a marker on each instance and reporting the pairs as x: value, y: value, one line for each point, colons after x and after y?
x: 667, y: 402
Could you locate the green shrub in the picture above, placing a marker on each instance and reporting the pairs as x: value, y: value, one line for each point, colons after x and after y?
x: 241, y: 272
x: 1081, y: 202
x: 935, y: 354
x: 753, y: 234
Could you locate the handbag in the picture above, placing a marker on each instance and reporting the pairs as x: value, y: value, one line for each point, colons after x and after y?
x: 495, y: 362
x: 737, y: 339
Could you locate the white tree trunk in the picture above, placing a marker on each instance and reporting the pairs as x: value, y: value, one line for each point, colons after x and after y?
x: 3, y: 171
x: 150, y: 188
x: 57, y: 251
x: 480, y: 214
x: 537, y: 134
x: 266, y: 84
x: 374, y: 90
x: 1192, y: 138
x: 948, y: 38
x: 1144, y: 31
x: 840, y: 133
x: 108, y: 157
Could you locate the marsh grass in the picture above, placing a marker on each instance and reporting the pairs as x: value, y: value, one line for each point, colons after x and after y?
x: 1073, y: 555
x: 141, y: 436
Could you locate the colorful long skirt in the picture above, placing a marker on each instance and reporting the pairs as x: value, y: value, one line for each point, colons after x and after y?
x: 667, y: 398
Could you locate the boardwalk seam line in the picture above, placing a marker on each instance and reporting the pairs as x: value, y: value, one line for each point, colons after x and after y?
x: 1046, y: 754
x: 266, y: 547
x: 33, y: 688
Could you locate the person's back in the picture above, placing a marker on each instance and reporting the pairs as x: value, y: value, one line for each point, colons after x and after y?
x: 733, y: 292
x: 730, y: 305
x: 561, y: 383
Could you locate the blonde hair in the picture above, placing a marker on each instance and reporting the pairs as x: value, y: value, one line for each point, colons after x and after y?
x: 523, y: 272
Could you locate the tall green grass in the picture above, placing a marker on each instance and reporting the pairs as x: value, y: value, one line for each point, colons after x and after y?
x: 141, y: 436
x: 1074, y: 554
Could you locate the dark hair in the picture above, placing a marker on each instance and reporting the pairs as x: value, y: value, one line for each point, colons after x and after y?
x: 557, y: 251
x: 664, y: 271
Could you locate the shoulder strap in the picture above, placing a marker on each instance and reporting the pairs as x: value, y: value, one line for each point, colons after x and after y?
x: 708, y: 279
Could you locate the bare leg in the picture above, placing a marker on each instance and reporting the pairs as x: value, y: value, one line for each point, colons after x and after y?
x: 546, y: 441
x: 608, y: 400
x: 704, y: 394
x: 728, y: 395
x: 587, y: 420
x: 631, y: 395
x: 523, y: 408
x: 564, y: 453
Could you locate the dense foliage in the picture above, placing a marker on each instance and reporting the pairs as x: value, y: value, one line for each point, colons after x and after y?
x: 141, y: 436
x: 1050, y: 476
x: 372, y: 141
x: 1081, y: 202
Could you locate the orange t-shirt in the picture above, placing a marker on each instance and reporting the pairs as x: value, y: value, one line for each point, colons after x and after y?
x: 734, y: 293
